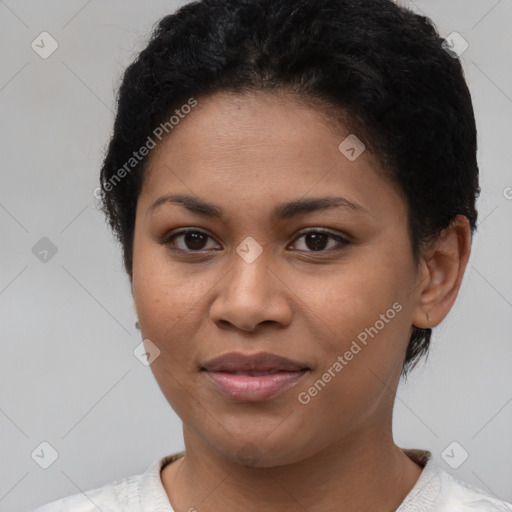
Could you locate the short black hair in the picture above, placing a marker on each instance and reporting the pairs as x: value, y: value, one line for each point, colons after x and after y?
x: 379, y: 67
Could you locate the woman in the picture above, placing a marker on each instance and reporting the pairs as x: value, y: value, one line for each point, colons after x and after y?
x: 293, y: 185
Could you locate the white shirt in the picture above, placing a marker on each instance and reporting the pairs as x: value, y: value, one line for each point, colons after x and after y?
x: 435, y: 491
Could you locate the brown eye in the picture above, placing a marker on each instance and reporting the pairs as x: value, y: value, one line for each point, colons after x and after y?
x: 316, y: 241
x: 192, y: 240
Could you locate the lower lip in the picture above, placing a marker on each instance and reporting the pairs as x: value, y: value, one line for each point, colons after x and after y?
x: 248, y: 388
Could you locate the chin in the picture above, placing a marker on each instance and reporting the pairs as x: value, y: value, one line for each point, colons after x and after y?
x: 262, y: 450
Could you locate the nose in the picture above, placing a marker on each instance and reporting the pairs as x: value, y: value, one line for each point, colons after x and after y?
x: 251, y: 294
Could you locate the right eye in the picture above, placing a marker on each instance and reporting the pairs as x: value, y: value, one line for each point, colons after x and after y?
x: 192, y: 239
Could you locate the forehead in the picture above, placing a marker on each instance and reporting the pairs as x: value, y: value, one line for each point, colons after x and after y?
x: 259, y: 148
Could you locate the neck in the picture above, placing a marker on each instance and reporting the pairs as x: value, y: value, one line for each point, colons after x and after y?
x: 359, y: 474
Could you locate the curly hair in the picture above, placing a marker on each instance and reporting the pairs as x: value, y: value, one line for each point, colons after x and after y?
x: 379, y: 67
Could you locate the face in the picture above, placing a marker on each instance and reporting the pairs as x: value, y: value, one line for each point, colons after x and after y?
x: 328, y: 286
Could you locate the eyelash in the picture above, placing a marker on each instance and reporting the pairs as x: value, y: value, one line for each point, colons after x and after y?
x: 343, y: 242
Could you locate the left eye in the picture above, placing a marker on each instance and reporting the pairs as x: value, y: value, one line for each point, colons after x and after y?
x: 315, y: 240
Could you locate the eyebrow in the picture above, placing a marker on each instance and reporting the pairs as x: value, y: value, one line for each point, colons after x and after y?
x: 279, y: 212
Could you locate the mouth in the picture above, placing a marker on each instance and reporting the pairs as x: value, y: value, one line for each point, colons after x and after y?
x: 255, y: 378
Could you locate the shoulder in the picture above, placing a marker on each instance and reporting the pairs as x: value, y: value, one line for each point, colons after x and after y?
x: 461, y: 496
x: 130, y: 494
x: 437, y: 490
x: 120, y: 495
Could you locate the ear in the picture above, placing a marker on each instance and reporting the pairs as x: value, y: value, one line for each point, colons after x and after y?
x: 440, y: 276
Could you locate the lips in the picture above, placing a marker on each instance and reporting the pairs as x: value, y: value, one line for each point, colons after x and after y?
x: 263, y: 362
x: 252, y: 378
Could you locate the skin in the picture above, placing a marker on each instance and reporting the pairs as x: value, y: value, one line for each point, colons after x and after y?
x: 246, y: 154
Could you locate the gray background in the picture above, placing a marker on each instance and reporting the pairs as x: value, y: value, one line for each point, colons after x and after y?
x: 68, y: 375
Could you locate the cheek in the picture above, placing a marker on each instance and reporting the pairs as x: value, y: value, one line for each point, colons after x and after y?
x: 355, y: 296
x: 365, y: 307
x: 171, y: 300
x: 162, y: 295
x: 167, y: 300
x: 370, y: 333
x: 162, y: 289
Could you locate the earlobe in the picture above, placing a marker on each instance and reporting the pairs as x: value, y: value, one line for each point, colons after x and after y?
x: 444, y: 266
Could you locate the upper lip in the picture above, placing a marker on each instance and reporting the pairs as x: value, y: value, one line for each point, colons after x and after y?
x: 238, y: 362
